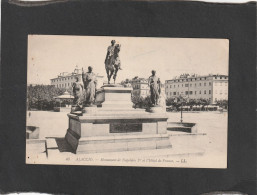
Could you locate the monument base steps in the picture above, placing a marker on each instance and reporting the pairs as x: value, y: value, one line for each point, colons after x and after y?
x: 116, y: 125
x: 100, y: 144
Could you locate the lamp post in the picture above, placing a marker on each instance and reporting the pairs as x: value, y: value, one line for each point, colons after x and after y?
x: 182, y: 100
x: 179, y: 99
x: 181, y: 120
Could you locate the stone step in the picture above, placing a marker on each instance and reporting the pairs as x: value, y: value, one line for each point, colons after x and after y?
x: 178, y: 128
x: 119, y: 112
x: 180, y: 133
x: 102, y: 147
x: 160, y: 153
x: 119, y: 109
x: 113, y: 104
x: 184, y: 127
x: 122, y: 138
x: 113, y: 116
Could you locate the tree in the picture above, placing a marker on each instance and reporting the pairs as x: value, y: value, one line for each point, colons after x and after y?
x: 222, y: 103
x: 170, y: 101
x: 137, y: 101
x: 191, y: 103
x: 141, y: 102
x: 42, y: 96
x: 147, y: 102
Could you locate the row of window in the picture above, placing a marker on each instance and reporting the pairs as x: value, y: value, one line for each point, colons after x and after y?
x: 200, y: 84
x: 143, y: 92
x: 221, y: 84
x: 187, y: 92
x: 187, y: 85
x: 64, y: 79
x: 195, y: 93
x: 64, y: 85
x: 221, y: 92
x: 199, y: 79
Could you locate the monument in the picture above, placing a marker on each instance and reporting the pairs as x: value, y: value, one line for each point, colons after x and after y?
x: 115, y: 125
x: 112, y: 61
x: 155, y: 91
x: 77, y: 90
x: 90, y: 83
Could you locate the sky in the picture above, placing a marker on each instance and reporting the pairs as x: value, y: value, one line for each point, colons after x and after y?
x: 49, y: 55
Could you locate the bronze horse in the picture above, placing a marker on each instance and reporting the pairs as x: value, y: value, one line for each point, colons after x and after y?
x: 112, y: 64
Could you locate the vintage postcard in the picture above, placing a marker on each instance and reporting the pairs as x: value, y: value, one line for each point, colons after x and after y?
x: 127, y: 101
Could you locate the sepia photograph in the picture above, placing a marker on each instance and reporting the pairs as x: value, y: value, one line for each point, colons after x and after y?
x: 127, y: 101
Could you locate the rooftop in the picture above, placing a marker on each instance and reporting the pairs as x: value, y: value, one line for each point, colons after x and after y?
x: 76, y: 71
x: 188, y: 76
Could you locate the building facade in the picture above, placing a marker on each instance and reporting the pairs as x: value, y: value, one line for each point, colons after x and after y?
x: 211, y: 87
x: 141, y: 88
x: 65, y: 80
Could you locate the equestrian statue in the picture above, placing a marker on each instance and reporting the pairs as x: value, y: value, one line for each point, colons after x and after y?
x: 112, y: 61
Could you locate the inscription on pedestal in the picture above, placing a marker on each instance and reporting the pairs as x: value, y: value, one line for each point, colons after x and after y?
x: 125, y: 127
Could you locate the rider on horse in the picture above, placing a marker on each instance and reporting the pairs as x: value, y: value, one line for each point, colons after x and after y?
x: 112, y: 55
x: 112, y: 61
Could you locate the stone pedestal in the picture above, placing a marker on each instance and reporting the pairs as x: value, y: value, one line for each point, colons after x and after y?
x: 116, y: 126
x: 114, y: 97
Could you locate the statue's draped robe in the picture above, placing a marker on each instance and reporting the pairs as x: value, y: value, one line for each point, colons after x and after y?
x: 154, y: 83
x: 89, y: 81
x: 77, y: 93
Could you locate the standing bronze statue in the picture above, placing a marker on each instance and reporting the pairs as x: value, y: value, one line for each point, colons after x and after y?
x: 77, y: 89
x: 112, y: 61
x: 89, y: 80
x: 155, y: 88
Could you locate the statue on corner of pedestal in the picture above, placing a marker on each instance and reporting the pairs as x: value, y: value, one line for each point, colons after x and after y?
x: 89, y: 81
x: 155, y: 88
x: 77, y: 104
